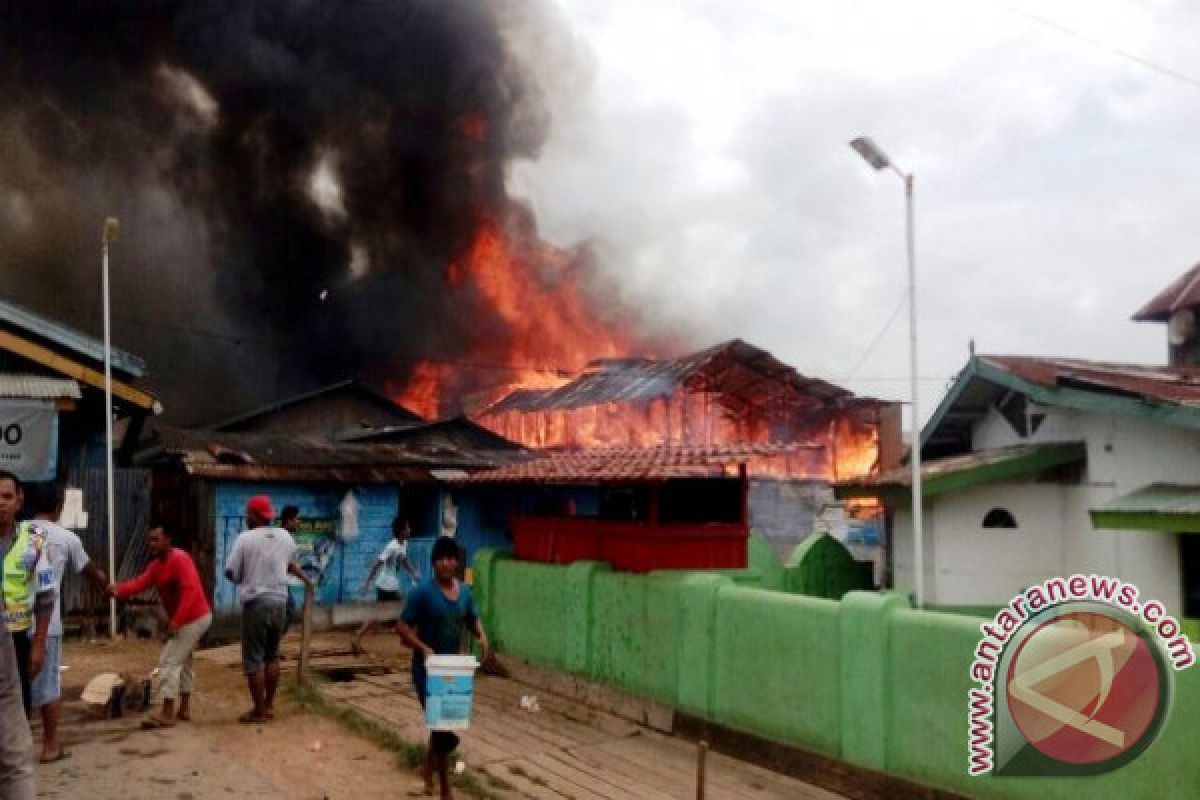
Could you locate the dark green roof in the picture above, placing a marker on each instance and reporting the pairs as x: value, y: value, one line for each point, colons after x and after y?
x: 1169, y: 507
x: 954, y: 473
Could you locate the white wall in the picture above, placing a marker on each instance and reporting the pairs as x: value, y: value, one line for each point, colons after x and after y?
x: 969, y: 565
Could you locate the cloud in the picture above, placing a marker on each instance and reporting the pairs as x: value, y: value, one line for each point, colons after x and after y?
x: 701, y: 147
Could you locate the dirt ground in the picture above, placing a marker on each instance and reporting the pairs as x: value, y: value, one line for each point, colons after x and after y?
x: 298, y: 755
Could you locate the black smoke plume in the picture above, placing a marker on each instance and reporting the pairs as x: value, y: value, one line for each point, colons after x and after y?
x: 292, y: 178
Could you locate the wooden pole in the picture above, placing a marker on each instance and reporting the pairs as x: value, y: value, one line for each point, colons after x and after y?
x: 306, y: 633
x: 701, y: 757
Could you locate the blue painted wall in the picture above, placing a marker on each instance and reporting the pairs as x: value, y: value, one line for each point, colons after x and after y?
x: 348, y: 562
x: 483, y: 517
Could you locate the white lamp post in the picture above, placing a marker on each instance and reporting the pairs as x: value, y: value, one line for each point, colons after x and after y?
x: 107, y: 237
x: 879, y: 160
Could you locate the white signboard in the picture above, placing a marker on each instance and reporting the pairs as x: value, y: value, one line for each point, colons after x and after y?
x: 28, y: 439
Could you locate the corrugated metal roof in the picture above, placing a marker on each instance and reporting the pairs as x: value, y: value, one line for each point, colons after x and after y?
x: 952, y: 465
x: 1183, y: 293
x: 631, y: 463
x: 1177, y: 385
x: 1159, y: 498
x: 78, y: 343
x: 293, y: 457
x: 38, y: 387
x: 452, y: 431
x: 298, y: 450
x: 734, y: 368
x: 330, y: 474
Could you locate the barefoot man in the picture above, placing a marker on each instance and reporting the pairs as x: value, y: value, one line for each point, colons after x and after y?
x: 259, y: 563
x: 432, y: 623
x: 62, y: 549
x: 173, y: 574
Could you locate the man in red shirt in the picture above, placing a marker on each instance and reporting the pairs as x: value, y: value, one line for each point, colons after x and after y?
x: 173, y: 573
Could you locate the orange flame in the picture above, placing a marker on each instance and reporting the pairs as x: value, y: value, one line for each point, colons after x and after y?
x: 547, y: 331
x: 847, y: 448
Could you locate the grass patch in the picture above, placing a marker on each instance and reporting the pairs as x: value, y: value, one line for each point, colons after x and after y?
x: 409, y: 755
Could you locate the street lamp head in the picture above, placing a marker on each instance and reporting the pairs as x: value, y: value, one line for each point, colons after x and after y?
x: 870, y: 152
x: 111, y: 227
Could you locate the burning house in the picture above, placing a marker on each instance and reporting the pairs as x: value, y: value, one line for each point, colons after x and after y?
x: 327, y: 209
x: 793, y: 435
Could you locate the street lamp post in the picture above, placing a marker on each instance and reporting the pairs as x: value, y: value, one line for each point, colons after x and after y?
x: 871, y: 153
x: 107, y: 237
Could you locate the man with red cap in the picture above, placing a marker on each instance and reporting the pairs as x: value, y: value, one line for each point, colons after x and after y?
x: 259, y: 563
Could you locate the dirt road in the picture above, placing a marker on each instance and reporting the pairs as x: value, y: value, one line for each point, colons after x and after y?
x: 213, y: 756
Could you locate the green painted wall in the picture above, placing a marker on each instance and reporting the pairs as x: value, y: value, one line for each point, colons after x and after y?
x: 530, y: 612
x: 636, y: 633
x: 821, y: 566
x: 763, y: 569
x: 776, y: 673
x: 866, y: 679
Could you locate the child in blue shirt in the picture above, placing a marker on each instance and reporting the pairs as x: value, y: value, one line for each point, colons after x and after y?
x: 432, y: 623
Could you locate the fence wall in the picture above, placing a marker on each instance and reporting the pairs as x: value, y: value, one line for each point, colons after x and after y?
x: 867, y: 679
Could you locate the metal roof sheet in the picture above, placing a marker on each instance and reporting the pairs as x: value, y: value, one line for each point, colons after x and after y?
x: 38, y: 387
x: 248, y: 456
x: 955, y: 473
x: 1176, y: 385
x: 630, y: 379
x: 327, y: 474
x: 631, y: 463
x: 952, y: 465
x: 1183, y: 293
x: 78, y: 343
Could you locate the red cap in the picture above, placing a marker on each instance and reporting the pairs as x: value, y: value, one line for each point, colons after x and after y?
x: 261, y: 504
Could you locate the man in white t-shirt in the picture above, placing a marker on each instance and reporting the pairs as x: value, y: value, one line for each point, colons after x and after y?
x: 62, y: 549
x: 385, y: 572
x: 259, y: 563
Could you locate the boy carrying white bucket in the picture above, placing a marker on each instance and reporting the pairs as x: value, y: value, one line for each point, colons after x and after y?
x: 431, y: 624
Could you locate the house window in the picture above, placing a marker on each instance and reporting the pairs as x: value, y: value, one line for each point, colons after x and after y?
x: 999, y: 518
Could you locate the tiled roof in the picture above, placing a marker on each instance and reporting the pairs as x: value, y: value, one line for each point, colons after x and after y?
x: 38, y: 387
x: 630, y: 463
x: 1183, y: 293
x: 1177, y: 385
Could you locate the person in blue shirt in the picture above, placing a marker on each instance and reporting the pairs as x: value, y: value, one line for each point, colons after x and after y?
x: 432, y: 623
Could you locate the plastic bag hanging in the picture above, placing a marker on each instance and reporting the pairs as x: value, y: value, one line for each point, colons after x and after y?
x: 348, y: 524
x: 449, y: 525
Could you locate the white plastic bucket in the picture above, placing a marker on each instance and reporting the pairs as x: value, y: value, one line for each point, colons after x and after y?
x: 450, y: 688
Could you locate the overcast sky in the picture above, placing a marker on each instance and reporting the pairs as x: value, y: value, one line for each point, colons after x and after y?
x: 702, y: 144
